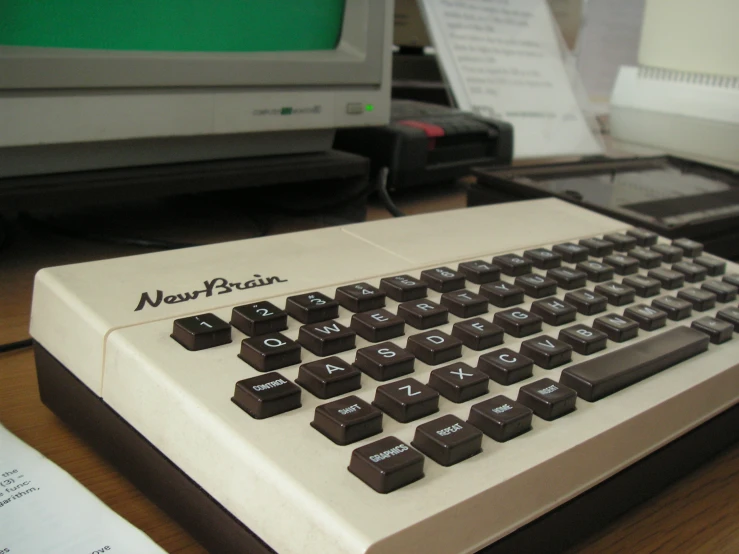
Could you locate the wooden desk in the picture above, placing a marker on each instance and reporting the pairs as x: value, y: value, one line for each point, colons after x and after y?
x: 697, y: 514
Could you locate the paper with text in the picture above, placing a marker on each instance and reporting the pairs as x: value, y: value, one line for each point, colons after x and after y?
x: 502, y: 59
x: 43, y: 509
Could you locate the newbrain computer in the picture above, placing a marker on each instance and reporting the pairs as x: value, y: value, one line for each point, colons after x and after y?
x: 87, y: 85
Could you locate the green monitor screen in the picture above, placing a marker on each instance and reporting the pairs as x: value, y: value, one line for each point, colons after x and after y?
x: 173, y: 25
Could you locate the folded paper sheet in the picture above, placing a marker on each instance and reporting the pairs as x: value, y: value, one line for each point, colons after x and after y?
x: 503, y: 59
x: 43, y: 509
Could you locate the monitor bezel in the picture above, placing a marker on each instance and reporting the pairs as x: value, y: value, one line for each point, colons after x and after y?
x: 355, y: 61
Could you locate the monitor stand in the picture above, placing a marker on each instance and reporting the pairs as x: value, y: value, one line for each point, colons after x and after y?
x: 301, y: 174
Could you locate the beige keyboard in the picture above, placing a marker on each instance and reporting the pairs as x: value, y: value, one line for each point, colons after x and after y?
x: 424, y: 384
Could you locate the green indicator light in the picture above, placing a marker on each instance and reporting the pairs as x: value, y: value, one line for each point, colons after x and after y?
x: 286, y: 111
x: 369, y: 107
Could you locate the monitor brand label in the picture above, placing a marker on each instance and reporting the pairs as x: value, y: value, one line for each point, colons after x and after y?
x: 289, y: 110
x: 219, y: 285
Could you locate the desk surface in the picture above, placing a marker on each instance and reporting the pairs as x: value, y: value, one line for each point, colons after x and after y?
x: 697, y: 514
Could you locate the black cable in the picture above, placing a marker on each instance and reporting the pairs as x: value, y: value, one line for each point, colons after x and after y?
x: 9, y: 347
x: 385, y: 196
x: 102, y: 237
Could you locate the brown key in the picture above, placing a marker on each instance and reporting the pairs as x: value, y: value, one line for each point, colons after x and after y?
x: 199, y: 332
x: 406, y: 400
x: 387, y: 464
x: 326, y: 338
x: 270, y: 352
x: 448, y: 440
x: 384, y: 361
x: 347, y: 420
x: 266, y: 395
x: 434, y: 347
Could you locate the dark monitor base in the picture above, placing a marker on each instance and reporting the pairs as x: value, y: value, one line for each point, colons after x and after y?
x: 218, y: 531
x: 319, y: 175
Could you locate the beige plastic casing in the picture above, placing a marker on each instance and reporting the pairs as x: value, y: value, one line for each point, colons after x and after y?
x: 287, y: 482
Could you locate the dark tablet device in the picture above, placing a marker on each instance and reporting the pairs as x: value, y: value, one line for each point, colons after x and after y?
x: 672, y: 196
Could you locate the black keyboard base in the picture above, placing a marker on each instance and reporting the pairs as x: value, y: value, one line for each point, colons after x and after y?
x: 218, y: 531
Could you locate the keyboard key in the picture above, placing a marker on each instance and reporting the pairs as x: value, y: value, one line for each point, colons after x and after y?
x: 536, y: 286
x: 459, y: 382
x: 478, y: 333
x: 568, y: 278
x: 732, y: 279
x: 623, y: 265
x: 647, y: 317
x: 548, y: 399
x: 377, y: 325
x: 518, y: 322
x: 360, y: 297
x: 693, y: 272
x: 617, y: 294
x: 326, y: 338
x: 690, y: 248
x: 587, y: 302
x: 643, y: 236
x: 724, y: 291
x: 502, y: 294
x: 403, y: 288
x: 597, y: 247
x: 600, y: 377
x: 198, y: 332
x: 448, y: 440
x: 543, y: 258
x: 553, y: 311
x: 259, y: 318
x: 505, y: 366
x: 329, y: 377
x: 670, y: 254
x: 443, y: 279
x: 621, y: 242
x: 730, y: 315
x: 714, y: 266
x: 266, y: 395
x: 648, y: 259
x: 406, y: 400
x: 675, y: 308
x: 617, y: 328
x: 501, y: 418
x: 583, y: 339
x: 434, y: 347
x: 718, y: 331
x: 546, y: 351
x: 423, y: 314
x: 701, y: 300
x: 269, y: 352
x: 596, y: 271
x: 644, y: 286
x: 464, y: 303
x: 512, y: 264
x: 479, y: 271
x: 384, y: 361
x: 670, y: 279
x: 387, y: 464
x: 347, y: 420
x: 571, y: 252
x: 312, y: 307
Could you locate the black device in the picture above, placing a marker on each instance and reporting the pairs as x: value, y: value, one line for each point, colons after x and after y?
x: 671, y: 196
x: 427, y: 143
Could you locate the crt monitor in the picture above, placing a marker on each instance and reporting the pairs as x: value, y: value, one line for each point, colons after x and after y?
x: 121, y: 83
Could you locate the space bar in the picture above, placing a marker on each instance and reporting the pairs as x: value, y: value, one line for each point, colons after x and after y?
x: 598, y: 377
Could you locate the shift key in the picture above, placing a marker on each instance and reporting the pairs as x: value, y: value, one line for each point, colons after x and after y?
x: 599, y: 377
